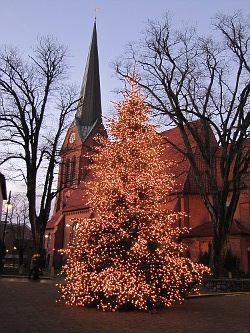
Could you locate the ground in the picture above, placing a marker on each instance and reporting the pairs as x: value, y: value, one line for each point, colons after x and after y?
x: 29, y: 306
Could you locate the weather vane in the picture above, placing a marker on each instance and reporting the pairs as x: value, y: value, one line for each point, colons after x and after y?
x: 96, y: 10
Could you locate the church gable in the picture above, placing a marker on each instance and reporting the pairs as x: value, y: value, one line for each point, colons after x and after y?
x: 72, y: 142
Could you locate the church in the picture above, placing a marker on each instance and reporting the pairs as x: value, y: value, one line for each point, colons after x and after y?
x: 70, y: 204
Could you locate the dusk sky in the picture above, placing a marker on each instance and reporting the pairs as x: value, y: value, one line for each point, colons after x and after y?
x: 118, y: 22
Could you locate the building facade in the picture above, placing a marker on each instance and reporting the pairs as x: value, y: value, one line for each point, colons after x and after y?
x: 196, y: 218
x: 71, y: 205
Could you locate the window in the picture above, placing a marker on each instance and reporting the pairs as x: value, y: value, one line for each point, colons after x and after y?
x: 73, y: 230
x: 67, y: 173
x: 73, y: 170
x: 72, y: 137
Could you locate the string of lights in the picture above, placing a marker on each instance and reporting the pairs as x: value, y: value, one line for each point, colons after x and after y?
x: 128, y: 255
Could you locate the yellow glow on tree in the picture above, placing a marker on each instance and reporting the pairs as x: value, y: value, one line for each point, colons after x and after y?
x: 128, y: 254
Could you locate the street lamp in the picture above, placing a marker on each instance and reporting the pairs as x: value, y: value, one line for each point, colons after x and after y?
x: 7, y: 205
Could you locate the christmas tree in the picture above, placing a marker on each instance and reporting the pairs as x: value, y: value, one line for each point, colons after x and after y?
x: 127, y: 255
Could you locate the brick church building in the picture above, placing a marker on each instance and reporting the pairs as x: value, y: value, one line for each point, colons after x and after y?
x: 70, y: 205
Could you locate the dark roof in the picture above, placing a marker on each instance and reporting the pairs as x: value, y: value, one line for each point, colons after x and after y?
x: 174, y: 148
x: 89, y: 111
x: 55, y: 220
x: 206, y: 230
x: 3, y: 186
x: 21, y: 231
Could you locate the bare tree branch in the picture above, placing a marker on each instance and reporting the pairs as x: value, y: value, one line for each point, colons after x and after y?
x: 32, y: 93
x: 201, y: 85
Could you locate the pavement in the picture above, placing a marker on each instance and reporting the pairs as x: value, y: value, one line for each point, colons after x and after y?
x: 28, y: 306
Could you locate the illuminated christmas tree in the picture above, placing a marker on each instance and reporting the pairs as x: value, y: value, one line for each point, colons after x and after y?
x: 127, y: 254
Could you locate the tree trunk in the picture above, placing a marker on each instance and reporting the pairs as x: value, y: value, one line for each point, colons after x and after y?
x: 21, y: 253
x: 218, y: 253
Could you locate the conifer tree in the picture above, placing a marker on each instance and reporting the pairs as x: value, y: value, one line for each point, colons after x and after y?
x: 127, y: 254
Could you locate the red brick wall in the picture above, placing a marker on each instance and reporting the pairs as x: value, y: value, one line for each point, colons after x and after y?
x: 198, y: 213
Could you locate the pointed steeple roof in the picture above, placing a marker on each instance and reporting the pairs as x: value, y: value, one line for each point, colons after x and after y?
x: 89, y: 111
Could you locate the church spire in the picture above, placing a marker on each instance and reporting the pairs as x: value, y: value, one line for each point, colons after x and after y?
x: 89, y: 110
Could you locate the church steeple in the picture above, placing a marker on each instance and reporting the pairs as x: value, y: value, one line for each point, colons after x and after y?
x: 89, y: 112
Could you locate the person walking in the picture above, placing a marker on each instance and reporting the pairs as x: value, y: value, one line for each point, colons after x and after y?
x: 34, y: 267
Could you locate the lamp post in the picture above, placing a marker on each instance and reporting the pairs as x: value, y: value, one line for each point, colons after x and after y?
x: 8, y: 205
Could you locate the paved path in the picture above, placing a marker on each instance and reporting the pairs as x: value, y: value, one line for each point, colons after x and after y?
x: 29, y: 306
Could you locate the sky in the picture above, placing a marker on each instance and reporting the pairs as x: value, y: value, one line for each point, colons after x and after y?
x: 118, y: 22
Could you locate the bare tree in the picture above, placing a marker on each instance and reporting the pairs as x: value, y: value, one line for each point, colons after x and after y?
x: 201, y: 85
x: 36, y: 103
x: 19, y: 225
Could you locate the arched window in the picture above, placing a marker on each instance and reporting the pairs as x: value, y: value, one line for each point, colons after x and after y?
x: 67, y: 173
x: 83, y: 169
x: 73, y: 170
x: 73, y: 230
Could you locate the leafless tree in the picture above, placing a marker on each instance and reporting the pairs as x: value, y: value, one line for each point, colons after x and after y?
x: 201, y: 84
x: 19, y: 225
x: 36, y: 103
